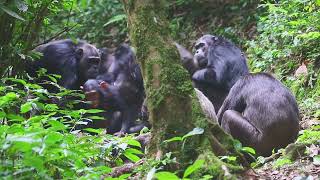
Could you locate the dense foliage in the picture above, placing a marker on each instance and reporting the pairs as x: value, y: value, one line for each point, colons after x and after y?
x: 38, y: 135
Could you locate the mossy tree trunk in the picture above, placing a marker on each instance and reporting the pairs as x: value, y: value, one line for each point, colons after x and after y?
x: 167, y: 85
x: 174, y: 110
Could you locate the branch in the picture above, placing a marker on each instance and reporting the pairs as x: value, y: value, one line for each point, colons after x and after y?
x: 66, y: 29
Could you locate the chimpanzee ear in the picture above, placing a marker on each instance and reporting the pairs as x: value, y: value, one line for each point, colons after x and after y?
x: 79, y: 53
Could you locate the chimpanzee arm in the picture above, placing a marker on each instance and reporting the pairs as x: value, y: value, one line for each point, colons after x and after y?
x: 187, y: 59
x: 69, y: 76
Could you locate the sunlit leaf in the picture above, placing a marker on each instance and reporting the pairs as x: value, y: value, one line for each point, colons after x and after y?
x: 164, y: 175
x: 52, y: 138
x: 98, y: 131
x: 248, y: 150
x: 195, y: 131
x: 192, y: 168
x: 316, y: 160
x: 173, y: 139
x: 116, y: 18
x: 11, y: 13
x: 131, y: 156
x: 26, y: 107
x: 34, y: 161
x: 133, y: 142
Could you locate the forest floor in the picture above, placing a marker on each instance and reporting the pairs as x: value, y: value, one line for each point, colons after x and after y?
x: 303, y: 168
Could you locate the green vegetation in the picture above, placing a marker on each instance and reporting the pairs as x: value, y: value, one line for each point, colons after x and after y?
x: 38, y: 136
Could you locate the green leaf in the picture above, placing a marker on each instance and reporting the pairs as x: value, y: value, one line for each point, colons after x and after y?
x: 195, y: 131
x: 26, y: 107
x: 192, y: 168
x: 34, y: 161
x: 316, y: 160
x: 52, y: 138
x: 173, y: 139
x: 164, y: 175
x: 57, y: 125
x: 131, y: 156
x: 133, y: 142
x: 249, y: 150
x: 133, y: 151
x: 98, y: 131
x: 93, y: 111
x: 96, y: 118
x: 51, y: 107
x: 116, y: 18
x: 11, y: 13
x: 23, y: 82
x: 14, y: 117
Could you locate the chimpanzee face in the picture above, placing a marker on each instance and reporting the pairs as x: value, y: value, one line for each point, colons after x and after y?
x: 96, y: 91
x: 89, y: 60
x: 201, y: 50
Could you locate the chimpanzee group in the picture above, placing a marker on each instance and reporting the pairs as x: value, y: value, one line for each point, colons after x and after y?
x: 112, y: 82
x: 254, y: 108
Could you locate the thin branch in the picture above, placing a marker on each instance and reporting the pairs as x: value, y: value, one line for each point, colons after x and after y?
x: 66, y: 29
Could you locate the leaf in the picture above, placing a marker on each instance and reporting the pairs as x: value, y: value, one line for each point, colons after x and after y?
x: 51, y: 107
x: 133, y: 142
x: 52, y: 138
x: 116, y: 18
x: 316, y: 160
x: 192, y: 168
x: 22, y: 6
x: 133, y: 151
x: 248, y: 150
x: 34, y: 161
x: 132, y: 157
x: 14, y: 117
x: 173, y: 139
x: 98, y: 131
x: 23, y: 82
x: 11, y: 13
x: 57, y: 125
x: 96, y: 118
x: 26, y: 107
x: 164, y: 175
x: 195, y: 131
x: 151, y: 173
x: 93, y: 111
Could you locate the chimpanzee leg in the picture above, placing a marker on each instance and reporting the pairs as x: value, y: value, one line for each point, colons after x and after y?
x: 114, y: 122
x: 235, y: 124
x: 128, y: 117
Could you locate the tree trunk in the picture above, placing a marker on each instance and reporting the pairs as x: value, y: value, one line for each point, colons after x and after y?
x: 173, y: 107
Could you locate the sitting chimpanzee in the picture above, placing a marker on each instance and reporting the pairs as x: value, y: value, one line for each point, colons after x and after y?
x: 261, y: 113
x: 76, y: 62
x: 216, y: 65
x: 258, y: 110
x: 118, y: 89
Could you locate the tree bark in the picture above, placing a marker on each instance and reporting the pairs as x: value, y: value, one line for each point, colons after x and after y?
x: 173, y: 106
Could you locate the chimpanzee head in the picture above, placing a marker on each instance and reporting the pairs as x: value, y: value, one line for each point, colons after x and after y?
x: 96, y: 91
x: 201, y: 50
x: 88, y: 58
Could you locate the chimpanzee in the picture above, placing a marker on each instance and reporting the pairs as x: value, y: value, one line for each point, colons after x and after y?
x: 119, y: 88
x: 216, y: 65
x: 261, y: 113
x: 76, y: 62
x: 255, y: 108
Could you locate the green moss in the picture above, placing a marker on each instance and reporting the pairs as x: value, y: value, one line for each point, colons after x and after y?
x: 213, y: 166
